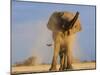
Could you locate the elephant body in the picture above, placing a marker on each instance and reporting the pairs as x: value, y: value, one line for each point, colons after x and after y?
x: 64, y: 26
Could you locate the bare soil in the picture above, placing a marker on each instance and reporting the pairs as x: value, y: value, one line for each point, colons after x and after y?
x: 45, y: 68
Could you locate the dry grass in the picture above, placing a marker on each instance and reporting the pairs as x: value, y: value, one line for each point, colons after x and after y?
x: 45, y: 68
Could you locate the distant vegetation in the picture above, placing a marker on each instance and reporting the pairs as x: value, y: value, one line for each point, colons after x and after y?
x: 89, y: 61
x: 33, y: 60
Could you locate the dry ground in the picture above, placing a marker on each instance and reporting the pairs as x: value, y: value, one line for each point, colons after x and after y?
x: 45, y: 68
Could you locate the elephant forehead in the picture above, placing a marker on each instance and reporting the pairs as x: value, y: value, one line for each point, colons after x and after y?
x: 68, y: 16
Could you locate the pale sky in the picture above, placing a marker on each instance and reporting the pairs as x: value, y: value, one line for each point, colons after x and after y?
x: 30, y: 34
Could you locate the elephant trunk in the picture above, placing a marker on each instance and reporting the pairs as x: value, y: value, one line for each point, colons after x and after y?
x: 72, y: 22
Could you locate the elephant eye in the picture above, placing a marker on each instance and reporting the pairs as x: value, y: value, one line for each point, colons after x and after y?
x: 75, y: 26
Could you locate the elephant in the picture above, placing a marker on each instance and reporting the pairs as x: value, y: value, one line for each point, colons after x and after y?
x: 64, y: 26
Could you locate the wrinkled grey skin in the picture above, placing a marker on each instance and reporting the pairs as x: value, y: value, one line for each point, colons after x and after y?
x: 63, y: 26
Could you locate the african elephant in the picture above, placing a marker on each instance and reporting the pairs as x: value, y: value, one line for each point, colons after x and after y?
x: 64, y: 26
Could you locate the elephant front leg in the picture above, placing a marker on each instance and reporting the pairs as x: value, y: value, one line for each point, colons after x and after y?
x: 55, y: 56
x: 61, y: 54
x: 69, y: 58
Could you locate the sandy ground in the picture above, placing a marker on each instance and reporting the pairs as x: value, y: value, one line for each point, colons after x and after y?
x: 45, y: 68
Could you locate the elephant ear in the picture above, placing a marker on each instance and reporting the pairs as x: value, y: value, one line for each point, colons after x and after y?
x: 54, y: 21
x: 77, y: 25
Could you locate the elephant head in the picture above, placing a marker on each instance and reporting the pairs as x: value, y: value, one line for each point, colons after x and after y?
x: 64, y: 21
